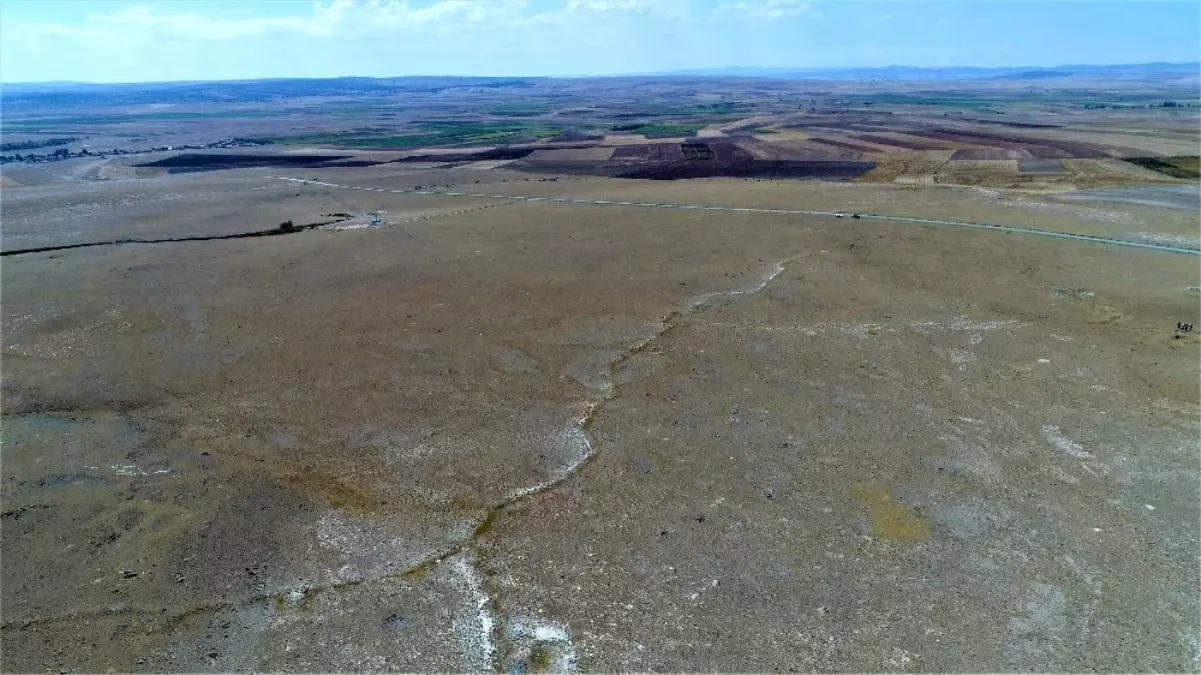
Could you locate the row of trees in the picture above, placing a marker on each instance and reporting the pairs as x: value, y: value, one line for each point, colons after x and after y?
x: 64, y: 153
x: 30, y: 145
x: 61, y: 153
x: 1165, y: 104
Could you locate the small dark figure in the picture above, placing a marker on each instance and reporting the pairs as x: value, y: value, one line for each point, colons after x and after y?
x: 1184, y: 327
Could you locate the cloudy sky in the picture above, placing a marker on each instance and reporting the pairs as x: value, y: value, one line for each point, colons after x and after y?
x: 102, y: 41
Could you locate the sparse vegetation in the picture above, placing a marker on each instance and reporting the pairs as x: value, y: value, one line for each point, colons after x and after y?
x: 1187, y: 166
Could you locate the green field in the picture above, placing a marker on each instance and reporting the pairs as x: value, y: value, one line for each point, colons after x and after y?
x: 1177, y: 167
x: 662, y: 129
x: 431, y: 134
x: 54, y: 121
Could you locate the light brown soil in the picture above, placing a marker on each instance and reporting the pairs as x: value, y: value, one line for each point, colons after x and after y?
x: 523, y: 436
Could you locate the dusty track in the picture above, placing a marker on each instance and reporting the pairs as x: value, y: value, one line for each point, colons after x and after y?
x: 799, y: 212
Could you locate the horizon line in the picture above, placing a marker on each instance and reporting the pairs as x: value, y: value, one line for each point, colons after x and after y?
x: 685, y: 72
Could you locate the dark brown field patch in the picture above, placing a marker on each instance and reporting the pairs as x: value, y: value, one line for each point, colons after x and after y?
x: 823, y: 170
x: 697, y: 151
x: 764, y: 150
x: 967, y: 138
x: 728, y: 151
x: 1016, y: 125
x: 193, y: 162
x: 867, y: 127
x: 711, y: 168
x: 1082, y: 150
x: 808, y: 150
x: 1053, y: 152
x: 471, y: 156
x: 1038, y: 147
x: 650, y: 152
x: 855, y: 147
x: 907, y: 144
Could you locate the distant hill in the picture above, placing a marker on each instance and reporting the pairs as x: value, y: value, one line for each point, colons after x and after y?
x: 1148, y: 70
x: 1035, y: 75
x: 67, y: 94
x: 50, y: 95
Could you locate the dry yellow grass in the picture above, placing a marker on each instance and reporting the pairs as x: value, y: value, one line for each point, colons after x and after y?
x: 738, y: 124
x: 624, y: 139
x: 997, y: 165
x: 1110, y: 168
x: 488, y: 164
x: 911, y: 155
x: 908, y: 168
x: 116, y: 172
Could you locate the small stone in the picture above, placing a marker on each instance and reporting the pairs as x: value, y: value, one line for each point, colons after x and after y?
x: 396, y: 621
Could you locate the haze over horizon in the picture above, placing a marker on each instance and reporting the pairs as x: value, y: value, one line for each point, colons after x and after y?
x: 120, y: 41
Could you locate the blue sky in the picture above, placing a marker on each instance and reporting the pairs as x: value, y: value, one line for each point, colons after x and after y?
x: 104, y: 41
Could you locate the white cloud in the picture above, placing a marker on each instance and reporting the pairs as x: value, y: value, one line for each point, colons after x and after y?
x: 610, y: 6
x: 347, y: 18
x: 138, y: 18
x: 340, y: 17
x: 762, y: 10
x: 159, y: 40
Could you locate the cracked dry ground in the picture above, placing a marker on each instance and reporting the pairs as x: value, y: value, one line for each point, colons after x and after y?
x: 553, y: 437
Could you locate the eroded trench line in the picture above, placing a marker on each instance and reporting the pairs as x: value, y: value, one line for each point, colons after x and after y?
x: 467, y: 556
x: 495, y: 641
x: 273, y: 232
x: 1014, y: 229
x: 500, y: 643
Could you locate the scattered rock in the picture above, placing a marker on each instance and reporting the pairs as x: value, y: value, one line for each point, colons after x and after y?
x: 396, y: 621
